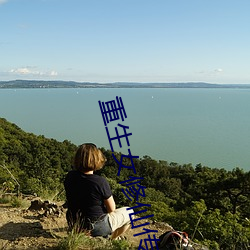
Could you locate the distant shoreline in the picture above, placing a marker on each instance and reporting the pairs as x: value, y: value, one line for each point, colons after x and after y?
x: 21, y: 84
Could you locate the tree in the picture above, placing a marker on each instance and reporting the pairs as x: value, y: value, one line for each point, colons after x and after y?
x: 236, y: 187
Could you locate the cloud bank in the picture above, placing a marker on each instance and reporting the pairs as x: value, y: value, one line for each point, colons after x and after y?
x: 33, y: 72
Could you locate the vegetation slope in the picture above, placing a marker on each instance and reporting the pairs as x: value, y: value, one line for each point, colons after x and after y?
x: 212, y: 205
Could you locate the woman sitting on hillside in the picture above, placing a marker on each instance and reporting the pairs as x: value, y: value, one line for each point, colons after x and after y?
x: 91, y: 205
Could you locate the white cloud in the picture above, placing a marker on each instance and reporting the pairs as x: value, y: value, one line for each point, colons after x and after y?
x: 53, y: 73
x: 31, y: 71
x: 211, y: 72
x: 22, y: 71
x: 218, y: 70
x: 25, y: 71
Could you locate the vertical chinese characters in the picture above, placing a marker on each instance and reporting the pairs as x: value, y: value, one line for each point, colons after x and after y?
x: 114, y: 111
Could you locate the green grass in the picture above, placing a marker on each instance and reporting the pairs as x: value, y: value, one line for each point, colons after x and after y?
x: 75, y: 241
x: 83, y: 241
x: 19, y: 202
x: 5, y: 200
x: 14, y: 201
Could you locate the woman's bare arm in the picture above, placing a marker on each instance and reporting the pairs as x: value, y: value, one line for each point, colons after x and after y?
x: 110, y: 204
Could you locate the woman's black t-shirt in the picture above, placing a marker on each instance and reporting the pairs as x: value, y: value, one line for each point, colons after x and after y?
x: 86, y: 194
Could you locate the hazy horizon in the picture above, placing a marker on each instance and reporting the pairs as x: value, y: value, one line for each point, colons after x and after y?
x: 126, y: 82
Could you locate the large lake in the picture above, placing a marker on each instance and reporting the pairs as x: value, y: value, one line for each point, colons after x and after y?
x: 207, y: 126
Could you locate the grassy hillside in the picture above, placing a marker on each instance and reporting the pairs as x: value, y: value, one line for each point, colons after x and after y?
x: 212, y: 205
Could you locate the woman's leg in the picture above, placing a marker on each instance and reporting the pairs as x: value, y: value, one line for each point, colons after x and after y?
x: 119, y: 221
x: 120, y: 231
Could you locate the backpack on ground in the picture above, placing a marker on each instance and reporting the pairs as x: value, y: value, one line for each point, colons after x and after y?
x: 173, y: 240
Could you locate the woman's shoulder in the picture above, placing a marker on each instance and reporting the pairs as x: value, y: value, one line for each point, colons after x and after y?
x: 73, y: 174
x: 98, y: 177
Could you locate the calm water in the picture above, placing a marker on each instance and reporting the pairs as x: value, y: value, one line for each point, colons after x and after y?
x: 207, y: 126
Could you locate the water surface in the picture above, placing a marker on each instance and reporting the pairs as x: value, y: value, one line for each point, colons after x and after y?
x: 207, y: 126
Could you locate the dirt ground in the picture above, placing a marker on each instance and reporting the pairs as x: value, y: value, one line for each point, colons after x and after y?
x: 26, y: 229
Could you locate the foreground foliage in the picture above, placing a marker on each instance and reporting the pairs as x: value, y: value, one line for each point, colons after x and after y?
x: 81, y: 241
x: 212, y: 205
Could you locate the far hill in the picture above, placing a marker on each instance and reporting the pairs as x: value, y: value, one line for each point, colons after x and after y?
x: 71, y: 84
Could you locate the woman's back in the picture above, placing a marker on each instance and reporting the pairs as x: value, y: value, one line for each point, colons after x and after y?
x: 86, y: 193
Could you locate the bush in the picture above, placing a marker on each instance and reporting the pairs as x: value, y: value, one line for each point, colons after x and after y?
x: 5, y: 200
x: 75, y: 241
x: 19, y: 202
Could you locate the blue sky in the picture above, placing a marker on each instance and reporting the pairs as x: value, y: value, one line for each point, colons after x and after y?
x: 125, y: 40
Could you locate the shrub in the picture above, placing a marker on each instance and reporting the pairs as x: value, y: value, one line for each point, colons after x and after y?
x: 18, y: 202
